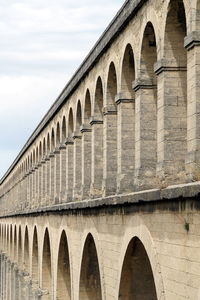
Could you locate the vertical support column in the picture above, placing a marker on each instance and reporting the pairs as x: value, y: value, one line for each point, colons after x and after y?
x: 39, y: 184
x: 125, y: 144
x: 192, y: 44
x: 63, y: 172
x: 145, y: 134
x: 77, y: 166
x: 97, y: 158
x: 52, y: 178
x: 69, y: 168
x: 86, y: 160
x: 47, y: 187
x: 43, y: 183
x: 109, y: 185
x: 172, y: 123
x: 57, y: 176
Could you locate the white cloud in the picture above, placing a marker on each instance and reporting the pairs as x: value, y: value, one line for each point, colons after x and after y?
x: 42, y: 44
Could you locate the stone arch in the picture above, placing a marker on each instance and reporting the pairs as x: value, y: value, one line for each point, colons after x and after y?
x: 46, y: 279
x: 136, y: 229
x: 34, y: 157
x: 35, y: 260
x: 70, y: 123
x: 14, y: 242
x: 52, y: 140
x: 44, y: 147
x: 37, y: 155
x: 40, y: 151
x: 58, y: 134
x: 19, y: 247
x: 90, y: 282
x: 111, y: 87
x: 48, y: 143
x: 78, y: 115
x: 26, y: 250
x: 87, y: 107
x: 128, y: 73
x: 137, y: 280
x: 64, y: 129
x: 98, y: 100
x: 173, y: 105
x: 63, y: 271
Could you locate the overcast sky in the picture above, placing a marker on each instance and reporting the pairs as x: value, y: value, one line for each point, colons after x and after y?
x: 42, y: 43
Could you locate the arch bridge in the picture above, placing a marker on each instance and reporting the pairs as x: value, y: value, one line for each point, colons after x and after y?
x: 102, y: 202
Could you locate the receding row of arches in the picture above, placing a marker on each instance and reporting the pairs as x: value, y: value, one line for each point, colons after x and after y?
x: 136, y: 279
x: 151, y: 125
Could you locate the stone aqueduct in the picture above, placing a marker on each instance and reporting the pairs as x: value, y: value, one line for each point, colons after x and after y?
x: 103, y: 200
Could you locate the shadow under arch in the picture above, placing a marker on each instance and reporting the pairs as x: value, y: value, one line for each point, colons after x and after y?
x: 63, y: 272
x: 137, y: 281
x: 46, y: 266
x: 35, y: 267
x: 90, y: 282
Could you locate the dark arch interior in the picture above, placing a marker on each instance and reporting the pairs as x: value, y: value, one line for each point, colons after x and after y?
x: 58, y: 134
x: 137, y: 280
x: 112, y: 85
x: 90, y: 284
x: 128, y: 73
x: 63, y: 276
x: 26, y: 250
x: 98, y: 109
x: 35, y: 257
x: 20, y: 246
x: 71, y: 123
x: 46, y: 265
x: 64, y: 129
x: 78, y: 116
x: 87, y: 107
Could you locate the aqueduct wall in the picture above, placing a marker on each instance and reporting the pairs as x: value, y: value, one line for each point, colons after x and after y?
x: 102, y: 201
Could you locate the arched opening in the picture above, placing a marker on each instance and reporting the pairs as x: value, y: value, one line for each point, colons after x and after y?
x: 97, y: 142
x: 20, y: 246
x: 26, y: 250
x: 90, y: 283
x: 146, y: 113
x: 128, y: 73
x: 137, y: 281
x: 48, y: 144
x: 63, y: 275
x: 46, y: 266
x: 35, y: 270
x: 44, y: 147
x: 58, y: 134
x: 14, y: 251
x: 173, y: 104
x: 78, y: 116
x: 86, y: 148
x: 126, y: 124
x: 52, y: 140
x: 70, y: 157
x: 64, y: 130
x: 110, y: 134
x: 70, y: 123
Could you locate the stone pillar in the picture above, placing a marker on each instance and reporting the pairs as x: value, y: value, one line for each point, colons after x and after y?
x: 52, y: 179
x: 63, y: 171
x: 109, y: 185
x: 43, y: 182
x: 69, y: 168
x: 48, y: 177
x: 145, y: 134
x: 192, y: 43
x: 39, y: 194
x: 97, y: 158
x: 86, y: 160
x: 77, y: 166
x: 57, y: 176
x: 172, y: 123
x: 125, y: 144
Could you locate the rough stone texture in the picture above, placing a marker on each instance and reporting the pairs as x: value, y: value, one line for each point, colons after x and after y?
x: 115, y: 163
